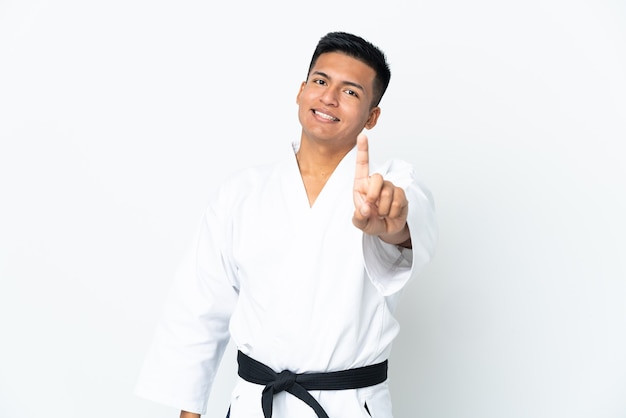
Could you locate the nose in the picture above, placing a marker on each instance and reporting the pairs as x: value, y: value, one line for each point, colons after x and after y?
x: 329, y: 97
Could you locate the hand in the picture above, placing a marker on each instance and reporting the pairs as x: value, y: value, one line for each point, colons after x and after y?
x: 380, y: 208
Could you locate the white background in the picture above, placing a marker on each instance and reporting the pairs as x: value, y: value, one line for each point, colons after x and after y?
x: 118, y: 118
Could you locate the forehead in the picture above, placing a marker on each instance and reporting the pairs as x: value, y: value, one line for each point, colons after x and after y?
x: 344, y: 68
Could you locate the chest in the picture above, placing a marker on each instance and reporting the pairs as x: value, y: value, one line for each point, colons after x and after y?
x: 277, y: 232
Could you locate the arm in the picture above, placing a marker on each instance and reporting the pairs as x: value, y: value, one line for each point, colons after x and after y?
x: 397, y: 216
x: 185, y: 414
x: 381, y: 208
x: 192, y: 333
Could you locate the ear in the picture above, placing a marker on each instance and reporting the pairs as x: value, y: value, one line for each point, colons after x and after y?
x: 373, y: 118
x: 300, y: 92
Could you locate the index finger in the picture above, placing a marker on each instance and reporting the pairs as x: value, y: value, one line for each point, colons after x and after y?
x: 362, y: 158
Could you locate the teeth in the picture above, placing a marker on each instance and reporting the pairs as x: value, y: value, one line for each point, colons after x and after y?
x: 325, y: 116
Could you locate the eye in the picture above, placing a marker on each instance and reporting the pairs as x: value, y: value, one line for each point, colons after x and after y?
x: 320, y: 82
x: 352, y: 93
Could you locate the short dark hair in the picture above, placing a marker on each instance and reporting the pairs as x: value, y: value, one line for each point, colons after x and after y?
x: 356, y: 47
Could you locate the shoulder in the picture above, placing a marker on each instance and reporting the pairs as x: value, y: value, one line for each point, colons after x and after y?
x: 399, y: 172
x: 259, y: 174
x: 405, y: 175
x: 241, y: 183
x: 253, y: 176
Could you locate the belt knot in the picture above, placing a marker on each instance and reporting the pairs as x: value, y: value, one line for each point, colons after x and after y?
x: 284, y: 381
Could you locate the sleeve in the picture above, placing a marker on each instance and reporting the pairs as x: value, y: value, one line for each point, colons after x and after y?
x: 389, y: 266
x: 192, y: 333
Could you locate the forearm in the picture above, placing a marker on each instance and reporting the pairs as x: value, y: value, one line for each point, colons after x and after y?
x: 185, y: 414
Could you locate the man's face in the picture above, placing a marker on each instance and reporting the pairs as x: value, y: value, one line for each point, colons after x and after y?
x: 334, y: 103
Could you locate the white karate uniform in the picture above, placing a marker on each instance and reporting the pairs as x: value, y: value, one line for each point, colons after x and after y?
x: 298, y: 288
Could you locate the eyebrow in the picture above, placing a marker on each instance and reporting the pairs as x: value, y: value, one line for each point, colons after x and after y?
x: 347, y: 83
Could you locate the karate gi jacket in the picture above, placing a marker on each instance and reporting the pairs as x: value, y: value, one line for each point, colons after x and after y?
x: 297, y: 287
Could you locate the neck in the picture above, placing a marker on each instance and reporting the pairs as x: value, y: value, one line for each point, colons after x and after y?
x: 317, y: 164
x: 317, y: 160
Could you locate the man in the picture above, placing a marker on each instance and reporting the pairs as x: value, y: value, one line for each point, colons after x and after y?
x: 301, y: 262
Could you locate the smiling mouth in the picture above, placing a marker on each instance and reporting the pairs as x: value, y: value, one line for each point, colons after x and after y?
x: 325, y: 116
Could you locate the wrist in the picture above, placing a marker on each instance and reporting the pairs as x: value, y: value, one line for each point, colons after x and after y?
x: 401, y: 238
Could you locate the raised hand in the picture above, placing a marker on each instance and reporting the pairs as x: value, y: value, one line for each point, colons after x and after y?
x: 380, y: 208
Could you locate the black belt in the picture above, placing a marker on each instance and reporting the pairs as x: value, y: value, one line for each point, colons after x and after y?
x: 299, y: 384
